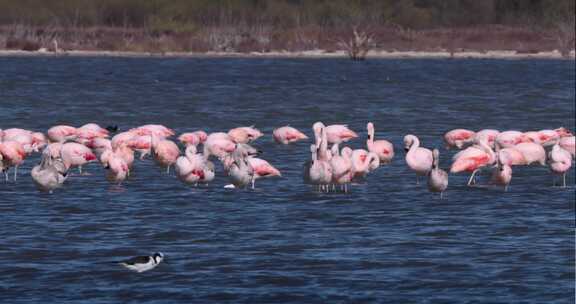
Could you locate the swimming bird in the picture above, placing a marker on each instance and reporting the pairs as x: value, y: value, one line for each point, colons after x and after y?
x: 419, y: 159
x: 143, y: 263
x: 383, y: 148
x: 437, y: 178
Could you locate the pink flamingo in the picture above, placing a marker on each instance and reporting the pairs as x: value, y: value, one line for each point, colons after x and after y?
x: 490, y: 134
x: 508, y: 139
x: 458, y: 138
x: 287, y: 135
x: 156, y: 130
x: 472, y: 159
x: 502, y: 173
x: 99, y: 145
x: 192, y: 168
x: 337, y: 134
x: 75, y: 154
x: 362, y: 162
x: 532, y: 153
x: 510, y: 156
x: 419, y: 159
x: 437, y: 178
x: 567, y: 143
x: 31, y: 141
x: 193, y: 138
x: 560, y: 162
x: 244, y: 135
x: 165, y: 152
x: 218, y: 144
x: 142, y: 144
x: 383, y: 148
x: 341, y: 168
x: 13, y: 155
x: 62, y: 133
x: 117, y: 169
x: 261, y: 168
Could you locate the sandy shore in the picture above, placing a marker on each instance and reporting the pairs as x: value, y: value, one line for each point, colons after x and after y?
x: 304, y: 54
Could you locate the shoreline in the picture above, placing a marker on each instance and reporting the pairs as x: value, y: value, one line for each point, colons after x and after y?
x: 379, y: 54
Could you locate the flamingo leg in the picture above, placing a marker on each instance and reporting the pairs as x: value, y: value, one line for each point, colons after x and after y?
x: 80, y: 169
x: 472, y: 180
x: 441, y: 194
x: 15, y: 172
x: 168, y: 169
x: 252, y: 183
x: 6, y: 175
x: 564, y: 180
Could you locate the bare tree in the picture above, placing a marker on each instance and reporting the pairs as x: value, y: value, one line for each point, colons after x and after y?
x: 358, y: 45
x: 565, y: 37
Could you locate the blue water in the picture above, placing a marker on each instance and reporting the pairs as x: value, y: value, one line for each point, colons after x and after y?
x: 388, y: 241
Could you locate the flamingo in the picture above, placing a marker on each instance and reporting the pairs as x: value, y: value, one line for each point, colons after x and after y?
x: 192, y: 138
x: 192, y: 168
x: 568, y: 144
x: 560, y: 162
x: 490, y: 134
x: 117, y: 169
x: 241, y: 173
x: 532, y: 152
x: 13, y: 155
x: 31, y: 141
x: 458, y: 138
x: 437, y: 178
x: 473, y: 158
x: 502, y: 173
x: 89, y: 131
x: 547, y: 138
x: 362, y: 162
x: 218, y: 144
x: 287, y: 135
x: 151, y: 129
x: 383, y: 148
x: 511, y: 156
x: 99, y: 145
x: 49, y: 174
x: 62, y: 133
x: 341, y: 168
x: 244, y: 135
x: 315, y: 171
x: 261, y: 168
x: 165, y: 152
x: 419, y: 159
x: 75, y: 154
x: 508, y: 139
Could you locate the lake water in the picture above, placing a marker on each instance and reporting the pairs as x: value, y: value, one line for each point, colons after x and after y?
x: 388, y: 241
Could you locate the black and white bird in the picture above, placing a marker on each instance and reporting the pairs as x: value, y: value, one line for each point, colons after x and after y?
x: 143, y: 263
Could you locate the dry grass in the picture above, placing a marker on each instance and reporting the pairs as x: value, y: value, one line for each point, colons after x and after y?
x: 265, y: 39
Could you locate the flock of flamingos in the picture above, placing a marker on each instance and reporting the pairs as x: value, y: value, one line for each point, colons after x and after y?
x: 330, y: 168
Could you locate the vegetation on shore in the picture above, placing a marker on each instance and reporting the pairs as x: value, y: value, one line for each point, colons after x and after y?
x: 526, y: 26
